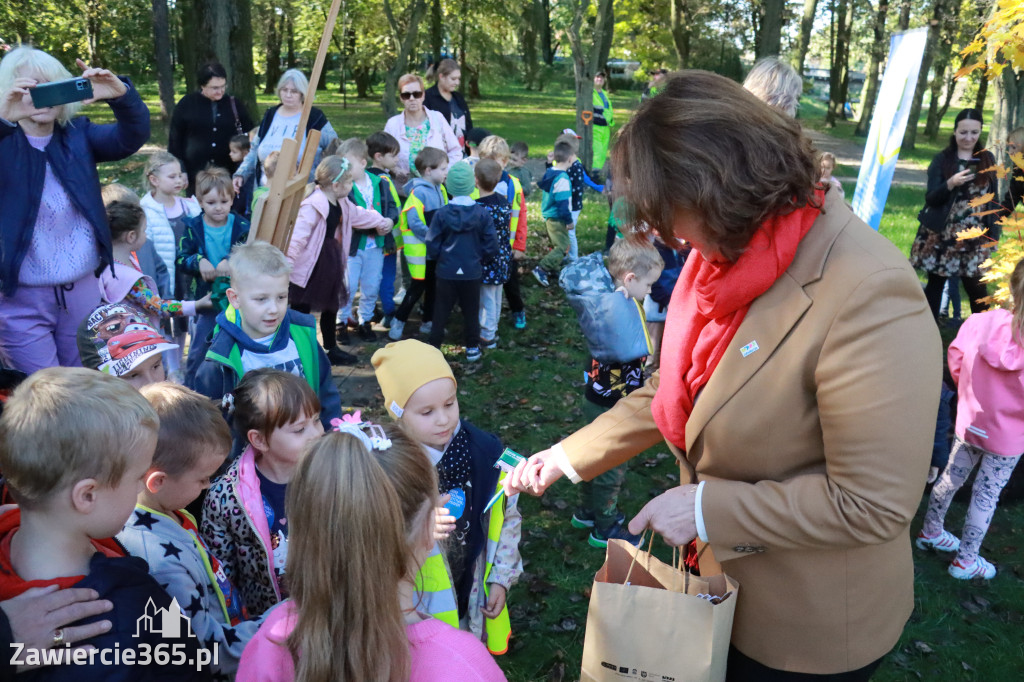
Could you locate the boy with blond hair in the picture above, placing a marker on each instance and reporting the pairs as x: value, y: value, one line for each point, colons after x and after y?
x: 193, y: 442
x: 555, y: 208
x: 258, y: 329
x: 74, y: 447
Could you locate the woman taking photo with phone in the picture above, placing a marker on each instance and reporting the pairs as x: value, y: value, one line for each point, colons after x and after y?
x: 958, y: 175
x: 53, y: 227
x: 417, y: 127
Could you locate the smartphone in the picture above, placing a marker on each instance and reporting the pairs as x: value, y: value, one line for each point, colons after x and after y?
x: 61, y: 92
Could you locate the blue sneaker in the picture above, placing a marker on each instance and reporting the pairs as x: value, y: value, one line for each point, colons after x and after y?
x: 617, y: 531
x: 581, y: 518
x: 520, y: 319
x: 541, y: 277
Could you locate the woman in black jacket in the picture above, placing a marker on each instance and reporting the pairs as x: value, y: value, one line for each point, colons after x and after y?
x: 204, y: 122
x: 444, y: 98
x: 958, y: 175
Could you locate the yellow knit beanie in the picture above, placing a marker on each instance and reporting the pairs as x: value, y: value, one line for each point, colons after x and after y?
x: 403, y: 367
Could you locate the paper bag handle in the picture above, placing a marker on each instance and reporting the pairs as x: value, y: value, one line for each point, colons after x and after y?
x: 650, y: 546
x: 678, y: 555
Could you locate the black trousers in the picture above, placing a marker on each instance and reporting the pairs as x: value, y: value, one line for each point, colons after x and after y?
x: 465, y: 292
x: 328, y: 324
x: 974, y: 287
x: 742, y: 668
x: 417, y: 288
x: 512, y: 293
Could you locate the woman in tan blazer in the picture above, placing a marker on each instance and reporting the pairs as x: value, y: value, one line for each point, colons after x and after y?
x: 801, y: 388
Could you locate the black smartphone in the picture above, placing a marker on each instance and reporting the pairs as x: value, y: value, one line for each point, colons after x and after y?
x: 61, y: 92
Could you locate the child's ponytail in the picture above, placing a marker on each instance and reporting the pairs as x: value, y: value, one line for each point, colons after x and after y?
x: 355, y: 515
x: 1017, y: 293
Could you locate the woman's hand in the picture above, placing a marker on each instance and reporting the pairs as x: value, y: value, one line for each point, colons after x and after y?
x: 960, y: 178
x: 534, y: 475
x: 386, y: 227
x: 39, y: 615
x: 16, y: 102
x: 105, y: 85
x: 444, y: 523
x: 237, y: 183
x: 671, y: 515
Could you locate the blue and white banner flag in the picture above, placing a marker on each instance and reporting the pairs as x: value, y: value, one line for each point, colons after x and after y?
x: 892, y: 109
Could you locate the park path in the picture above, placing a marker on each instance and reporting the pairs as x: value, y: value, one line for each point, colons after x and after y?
x: 850, y: 152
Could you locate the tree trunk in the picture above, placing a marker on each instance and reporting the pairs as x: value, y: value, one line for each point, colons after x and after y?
x: 839, y: 76
x: 274, y: 27
x: 528, y: 41
x: 904, y: 23
x: 1009, y: 112
x: 979, y: 101
x: 94, y: 11
x: 290, y: 24
x: 806, y: 26
x: 436, y: 30
x: 544, y: 28
x: 585, y: 65
x: 221, y: 30
x: 878, y: 48
x: 768, y: 41
x: 681, y: 21
x: 406, y: 41
x: 943, y: 55
x: 162, y: 49
x: 930, y: 47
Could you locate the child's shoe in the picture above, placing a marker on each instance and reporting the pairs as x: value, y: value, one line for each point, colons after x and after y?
x: 386, y: 321
x: 341, y: 335
x: 618, y: 531
x: 520, y: 319
x: 337, y: 356
x: 581, y: 518
x: 395, y: 332
x: 473, y: 354
x: 541, y: 277
x: 366, y: 332
x: 979, y: 569
x: 426, y: 328
x: 943, y: 542
x: 489, y: 344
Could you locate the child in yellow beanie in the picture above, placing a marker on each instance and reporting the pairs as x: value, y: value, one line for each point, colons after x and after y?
x: 465, y: 581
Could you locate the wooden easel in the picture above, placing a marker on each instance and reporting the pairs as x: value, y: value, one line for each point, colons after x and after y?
x: 275, y: 212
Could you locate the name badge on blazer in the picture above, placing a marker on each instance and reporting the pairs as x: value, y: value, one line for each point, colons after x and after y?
x: 749, y: 348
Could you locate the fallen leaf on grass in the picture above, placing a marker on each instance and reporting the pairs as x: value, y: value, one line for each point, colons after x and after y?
x: 923, y: 647
x: 970, y: 606
x: 966, y: 666
x: 537, y: 408
x: 557, y: 673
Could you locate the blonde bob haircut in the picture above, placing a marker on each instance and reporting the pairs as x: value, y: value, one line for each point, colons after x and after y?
x: 356, y: 516
x: 26, y: 61
x: 494, y: 147
x: 256, y: 259
x: 708, y: 148
x: 67, y: 424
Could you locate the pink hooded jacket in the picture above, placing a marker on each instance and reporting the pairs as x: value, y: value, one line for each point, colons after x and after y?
x: 988, y: 366
x: 309, y: 233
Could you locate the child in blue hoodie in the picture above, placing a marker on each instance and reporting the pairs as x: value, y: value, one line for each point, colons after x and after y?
x: 461, y: 238
x: 260, y: 330
x: 556, y: 210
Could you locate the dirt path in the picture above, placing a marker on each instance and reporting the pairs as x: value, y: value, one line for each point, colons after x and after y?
x: 849, y: 153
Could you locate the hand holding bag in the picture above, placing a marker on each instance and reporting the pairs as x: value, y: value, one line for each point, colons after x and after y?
x: 652, y: 621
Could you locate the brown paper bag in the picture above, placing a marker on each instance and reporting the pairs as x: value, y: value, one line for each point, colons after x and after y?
x: 655, y: 628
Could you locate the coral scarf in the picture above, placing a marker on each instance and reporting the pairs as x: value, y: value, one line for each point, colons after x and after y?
x: 708, y: 305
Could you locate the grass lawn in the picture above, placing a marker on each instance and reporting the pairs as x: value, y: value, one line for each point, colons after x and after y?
x: 529, y: 391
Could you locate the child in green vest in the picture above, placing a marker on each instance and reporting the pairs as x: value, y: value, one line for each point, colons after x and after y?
x: 366, y: 254
x: 383, y: 149
x: 481, y: 552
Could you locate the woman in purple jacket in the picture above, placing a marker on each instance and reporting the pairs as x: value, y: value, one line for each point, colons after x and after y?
x: 53, y: 227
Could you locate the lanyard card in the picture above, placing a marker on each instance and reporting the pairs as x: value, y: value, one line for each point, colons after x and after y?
x: 509, y: 460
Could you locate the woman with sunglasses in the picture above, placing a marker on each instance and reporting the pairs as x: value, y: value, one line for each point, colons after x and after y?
x: 417, y: 127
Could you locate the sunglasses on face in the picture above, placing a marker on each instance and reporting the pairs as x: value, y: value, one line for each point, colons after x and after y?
x: 415, y: 94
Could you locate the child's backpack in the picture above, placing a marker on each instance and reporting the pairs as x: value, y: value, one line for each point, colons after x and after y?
x: 612, y: 323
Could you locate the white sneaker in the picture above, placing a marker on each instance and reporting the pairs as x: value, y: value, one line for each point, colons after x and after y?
x: 943, y: 542
x: 395, y: 333
x: 426, y: 327
x: 979, y: 569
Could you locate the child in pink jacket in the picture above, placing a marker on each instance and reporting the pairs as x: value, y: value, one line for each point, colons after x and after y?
x: 986, y: 361
x: 319, y: 249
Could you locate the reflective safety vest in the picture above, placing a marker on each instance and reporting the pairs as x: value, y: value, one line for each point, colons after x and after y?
x: 396, y: 231
x: 437, y: 596
x: 603, y: 115
x: 415, y: 249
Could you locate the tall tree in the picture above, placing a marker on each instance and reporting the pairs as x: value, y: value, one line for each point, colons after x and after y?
x: 94, y: 11
x: 768, y: 30
x: 904, y: 22
x: 930, y: 46
x: 806, y: 26
x: 878, y: 47
x: 436, y: 30
x: 405, y: 37
x: 164, y: 68
x: 274, y: 40
x: 586, y: 62
x: 528, y: 42
x: 839, y: 74
x: 221, y: 30
x: 544, y: 28
x: 941, y: 64
x: 681, y: 21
